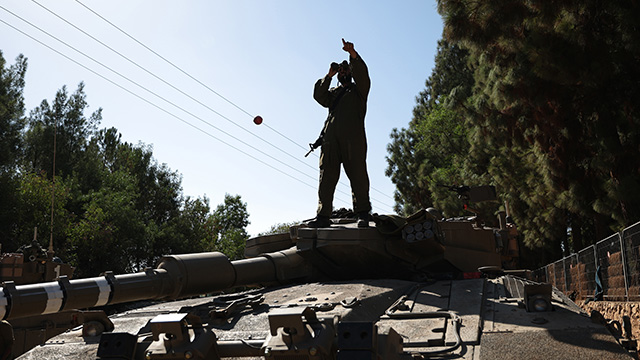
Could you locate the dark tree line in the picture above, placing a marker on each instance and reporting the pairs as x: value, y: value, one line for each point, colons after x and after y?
x: 115, y: 208
x: 538, y: 98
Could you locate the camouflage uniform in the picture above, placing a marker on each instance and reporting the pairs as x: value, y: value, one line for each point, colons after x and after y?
x: 344, y: 140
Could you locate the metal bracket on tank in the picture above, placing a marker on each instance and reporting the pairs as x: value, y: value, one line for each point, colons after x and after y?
x: 225, y: 306
x: 297, y: 330
x: 175, y: 336
x: 361, y: 340
x: 117, y: 346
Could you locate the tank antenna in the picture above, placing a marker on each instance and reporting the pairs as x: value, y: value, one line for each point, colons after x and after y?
x: 53, y: 188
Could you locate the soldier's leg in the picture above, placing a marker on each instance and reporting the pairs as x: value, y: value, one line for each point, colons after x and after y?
x: 355, y: 166
x: 329, y: 176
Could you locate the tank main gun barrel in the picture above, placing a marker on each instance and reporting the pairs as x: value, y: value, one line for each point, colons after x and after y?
x: 177, y: 276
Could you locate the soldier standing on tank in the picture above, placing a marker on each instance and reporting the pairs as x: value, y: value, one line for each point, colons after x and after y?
x: 343, y: 136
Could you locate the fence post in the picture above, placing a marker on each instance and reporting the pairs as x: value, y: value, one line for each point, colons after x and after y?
x: 546, y: 274
x: 564, y: 271
x: 595, y: 267
x: 623, y: 254
x: 578, y: 274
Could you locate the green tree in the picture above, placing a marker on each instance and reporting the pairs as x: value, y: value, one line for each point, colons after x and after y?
x: 111, y: 197
x: 418, y: 159
x: 72, y: 129
x: 111, y: 225
x: 230, y: 221
x: 33, y: 210
x: 443, y: 141
x: 11, y: 125
x: 192, y: 231
x: 554, y: 107
x: 404, y: 161
x: 280, y: 228
x: 11, y: 112
x: 129, y: 204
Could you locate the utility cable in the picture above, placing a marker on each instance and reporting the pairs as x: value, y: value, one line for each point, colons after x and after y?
x: 155, y: 94
x: 184, y: 72
x: 182, y: 92
x: 149, y: 91
x: 157, y: 106
x: 208, y: 88
x: 161, y: 79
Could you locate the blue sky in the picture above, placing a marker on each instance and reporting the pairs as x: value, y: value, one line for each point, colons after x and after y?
x: 263, y: 56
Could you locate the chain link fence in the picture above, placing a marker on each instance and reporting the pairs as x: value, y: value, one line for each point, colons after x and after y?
x: 613, y: 262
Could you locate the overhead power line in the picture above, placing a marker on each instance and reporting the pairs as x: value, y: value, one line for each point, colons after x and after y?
x: 183, y: 71
x: 205, y: 86
x: 162, y: 109
x: 155, y: 105
x: 156, y: 94
x: 168, y: 101
x: 171, y: 85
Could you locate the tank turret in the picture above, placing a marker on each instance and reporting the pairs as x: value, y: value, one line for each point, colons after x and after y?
x: 334, y: 253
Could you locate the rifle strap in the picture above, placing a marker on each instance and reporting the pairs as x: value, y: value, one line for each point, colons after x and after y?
x: 338, y: 97
x: 333, y: 106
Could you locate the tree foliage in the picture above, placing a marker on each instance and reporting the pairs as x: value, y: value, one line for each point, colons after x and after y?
x: 556, y: 85
x: 11, y: 111
x: 230, y: 221
x: 11, y: 125
x: 64, y: 118
x: 549, y: 111
x: 114, y: 206
x: 280, y: 228
x: 429, y: 152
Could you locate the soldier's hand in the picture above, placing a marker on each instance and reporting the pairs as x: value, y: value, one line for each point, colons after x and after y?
x: 348, y: 47
x: 332, y: 72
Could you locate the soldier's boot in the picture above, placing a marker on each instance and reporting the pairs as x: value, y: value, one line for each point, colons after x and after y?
x: 363, y: 219
x: 319, y: 222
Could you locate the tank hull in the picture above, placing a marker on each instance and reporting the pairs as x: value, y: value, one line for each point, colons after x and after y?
x: 491, y: 324
x: 341, y: 292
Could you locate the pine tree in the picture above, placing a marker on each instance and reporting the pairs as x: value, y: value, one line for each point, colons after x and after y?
x: 11, y: 125
x: 416, y: 160
x: 553, y: 107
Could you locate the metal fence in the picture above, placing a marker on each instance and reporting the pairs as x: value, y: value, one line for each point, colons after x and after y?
x: 616, y: 258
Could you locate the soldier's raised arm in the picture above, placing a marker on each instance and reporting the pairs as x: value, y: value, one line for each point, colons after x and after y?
x: 321, y: 89
x: 359, y: 69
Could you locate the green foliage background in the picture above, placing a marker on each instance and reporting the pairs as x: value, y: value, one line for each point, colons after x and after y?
x: 115, y: 207
x: 538, y: 98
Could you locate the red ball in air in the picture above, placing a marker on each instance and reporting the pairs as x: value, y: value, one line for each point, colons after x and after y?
x: 257, y: 120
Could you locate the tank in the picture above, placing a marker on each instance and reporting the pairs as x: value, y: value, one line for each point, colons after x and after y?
x: 421, y: 287
x: 32, y: 264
